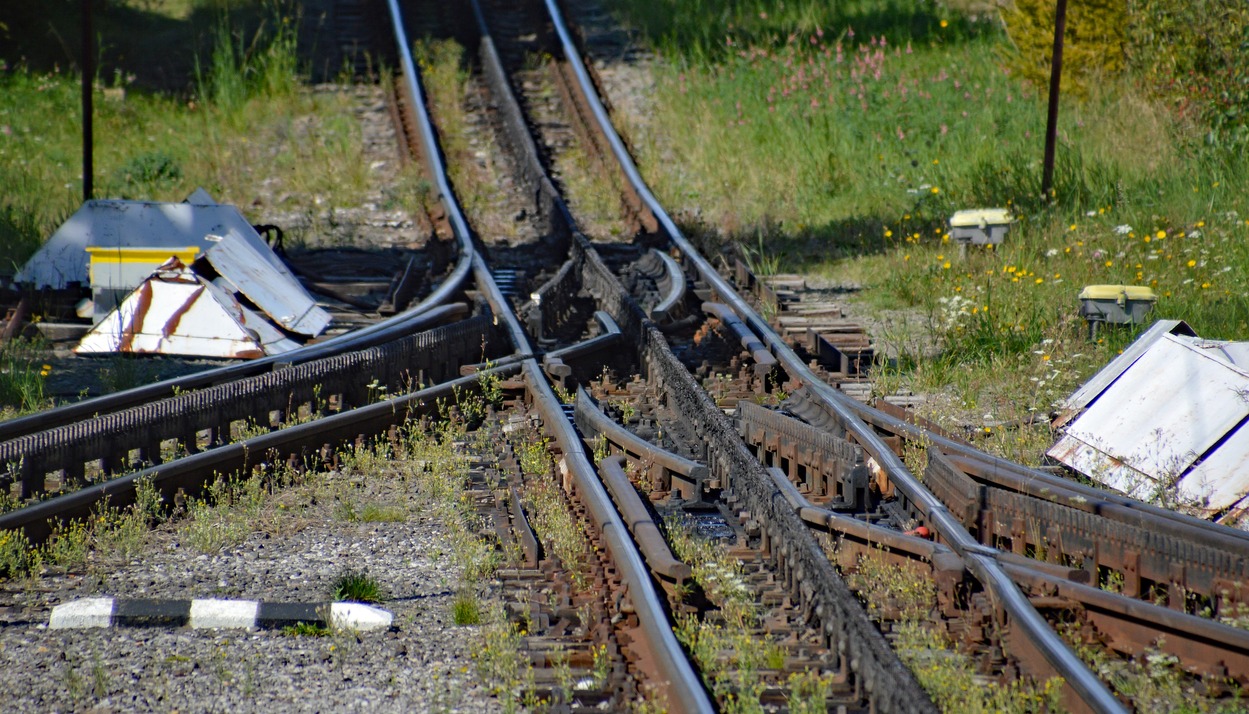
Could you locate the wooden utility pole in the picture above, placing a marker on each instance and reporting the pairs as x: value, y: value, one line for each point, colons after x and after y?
x: 1051, y: 125
x: 88, y: 78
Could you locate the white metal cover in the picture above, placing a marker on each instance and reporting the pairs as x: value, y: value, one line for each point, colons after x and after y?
x: 1161, y: 414
x: 280, y: 296
x: 63, y: 259
x: 175, y: 312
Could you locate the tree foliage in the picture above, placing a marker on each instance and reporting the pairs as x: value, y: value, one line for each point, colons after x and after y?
x: 1093, y: 45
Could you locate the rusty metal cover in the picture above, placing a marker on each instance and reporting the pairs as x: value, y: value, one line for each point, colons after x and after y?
x: 139, y: 224
x: 179, y: 313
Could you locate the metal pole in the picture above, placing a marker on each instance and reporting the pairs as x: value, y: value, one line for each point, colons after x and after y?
x: 88, y: 76
x: 1051, y: 125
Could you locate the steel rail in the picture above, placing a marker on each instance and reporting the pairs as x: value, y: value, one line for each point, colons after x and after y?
x: 644, y: 529
x: 1089, y: 688
x: 1203, y: 645
x: 590, y: 417
x: 676, y: 286
x: 1102, y: 503
x: 187, y: 473
x: 684, y: 686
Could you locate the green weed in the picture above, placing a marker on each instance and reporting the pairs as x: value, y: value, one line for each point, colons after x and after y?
x: 305, y: 629
x: 357, y: 586
x: 466, y: 610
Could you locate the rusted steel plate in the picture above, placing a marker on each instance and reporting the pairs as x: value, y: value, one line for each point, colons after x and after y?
x: 177, y: 312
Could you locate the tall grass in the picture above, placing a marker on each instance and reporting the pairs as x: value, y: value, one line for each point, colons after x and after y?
x: 264, y: 65
x: 151, y: 146
x: 843, y: 135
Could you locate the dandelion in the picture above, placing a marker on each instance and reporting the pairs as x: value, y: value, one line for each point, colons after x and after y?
x: 1192, y: 263
x: 936, y: 190
x: 1040, y: 280
x: 1161, y: 234
x: 945, y: 23
x: 888, y: 233
x: 1109, y: 263
x: 946, y: 265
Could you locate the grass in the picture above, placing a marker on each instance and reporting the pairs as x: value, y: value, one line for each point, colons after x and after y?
x: 22, y: 377
x: 727, y: 645
x: 162, y: 144
x: 942, y: 669
x: 842, y: 136
x: 306, y: 629
x: 357, y: 586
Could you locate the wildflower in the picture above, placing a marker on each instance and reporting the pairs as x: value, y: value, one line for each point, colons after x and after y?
x: 946, y: 265
x: 1109, y: 263
x: 888, y: 233
x: 1123, y: 229
x: 1161, y: 234
x: 944, y: 23
x: 1051, y: 252
x: 1192, y: 263
x: 936, y: 190
x: 1040, y: 280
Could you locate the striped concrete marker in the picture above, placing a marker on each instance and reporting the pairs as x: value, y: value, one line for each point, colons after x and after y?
x: 212, y: 613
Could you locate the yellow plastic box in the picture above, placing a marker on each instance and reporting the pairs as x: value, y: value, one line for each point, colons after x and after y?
x: 981, y: 226
x: 1117, y: 304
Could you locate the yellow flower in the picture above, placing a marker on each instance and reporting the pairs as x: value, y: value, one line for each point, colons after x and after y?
x: 1045, y: 358
x: 1040, y: 280
x: 1057, y: 276
x: 946, y: 265
x: 944, y: 23
x: 1147, y: 239
x: 1201, y: 224
x: 1205, y: 285
x: 1192, y: 263
x: 888, y: 233
x: 1109, y: 263
x: 936, y: 190
x: 935, y: 162
x: 1072, y: 228
x: 907, y: 256
x: 1161, y: 235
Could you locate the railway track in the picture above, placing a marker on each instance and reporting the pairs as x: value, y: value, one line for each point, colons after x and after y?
x: 725, y: 485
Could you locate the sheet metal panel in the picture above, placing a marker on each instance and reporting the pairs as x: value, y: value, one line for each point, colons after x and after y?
x: 174, y: 312
x: 1174, y: 403
x: 282, y: 298
x: 1222, y: 479
x: 1090, y: 390
x: 110, y: 223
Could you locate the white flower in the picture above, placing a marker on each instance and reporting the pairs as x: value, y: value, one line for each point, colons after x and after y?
x: 1123, y: 229
x: 1194, y: 234
x: 1091, y: 213
x: 1051, y: 252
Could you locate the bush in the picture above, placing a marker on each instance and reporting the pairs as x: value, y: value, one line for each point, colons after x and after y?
x: 1189, y: 53
x: 1093, y: 44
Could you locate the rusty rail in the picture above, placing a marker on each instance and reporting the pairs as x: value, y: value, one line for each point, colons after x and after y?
x: 687, y: 475
x: 1084, y: 685
x: 644, y: 529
